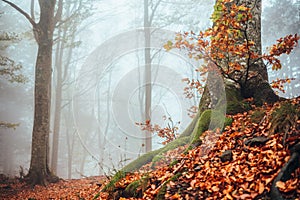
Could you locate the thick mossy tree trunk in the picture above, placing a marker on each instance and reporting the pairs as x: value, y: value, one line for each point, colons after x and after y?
x: 221, y: 95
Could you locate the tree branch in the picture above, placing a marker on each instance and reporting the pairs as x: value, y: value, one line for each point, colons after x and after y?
x: 32, y: 10
x: 61, y: 21
x: 248, y: 49
x: 21, y: 11
x: 153, y: 12
x: 58, y: 14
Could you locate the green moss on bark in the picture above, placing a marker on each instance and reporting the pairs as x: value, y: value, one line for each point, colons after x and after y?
x: 188, y: 131
x: 235, y: 103
x: 170, y: 146
x: 201, y: 126
x: 140, y: 161
x: 132, y: 189
x: 284, y: 117
x: 210, y: 119
x: 111, y: 185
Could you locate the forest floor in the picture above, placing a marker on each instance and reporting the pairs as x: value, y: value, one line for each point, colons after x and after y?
x: 257, y: 154
x: 77, y: 189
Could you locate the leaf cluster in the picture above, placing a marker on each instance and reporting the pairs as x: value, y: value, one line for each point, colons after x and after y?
x: 10, y: 70
x: 8, y: 125
x: 169, y: 132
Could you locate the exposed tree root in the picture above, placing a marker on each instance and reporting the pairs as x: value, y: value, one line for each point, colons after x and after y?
x: 285, y: 174
x: 40, y: 178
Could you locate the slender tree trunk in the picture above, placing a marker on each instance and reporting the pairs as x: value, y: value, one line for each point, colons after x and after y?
x: 57, y: 109
x: 148, y: 93
x: 66, y: 35
x: 103, y: 137
x: 82, y: 163
x: 61, y: 73
x: 70, y: 141
x: 39, y: 172
x: 54, y: 147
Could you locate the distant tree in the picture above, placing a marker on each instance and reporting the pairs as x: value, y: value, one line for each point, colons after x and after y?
x: 74, y: 12
x: 39, y: 172
x: 154, y: 17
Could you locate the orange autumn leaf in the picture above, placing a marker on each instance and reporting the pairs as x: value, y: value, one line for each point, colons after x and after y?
x: 281, y: 185
x: 193, y: 182
x: 175, y: 196
x: 237, y: 67
x: 261, y: 187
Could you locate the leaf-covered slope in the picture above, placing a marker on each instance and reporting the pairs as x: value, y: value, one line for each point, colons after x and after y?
x: 251, y: 159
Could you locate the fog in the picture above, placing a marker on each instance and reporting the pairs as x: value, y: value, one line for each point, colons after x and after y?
x: 99, y: 82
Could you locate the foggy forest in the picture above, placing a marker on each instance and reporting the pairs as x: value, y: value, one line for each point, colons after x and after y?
x: 144, y: 99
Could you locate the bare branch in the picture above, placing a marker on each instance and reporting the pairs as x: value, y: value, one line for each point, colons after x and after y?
x: 61, y: 22
x: 153, y: 11
x: 58, y: 14
x: 21, y: 11
x: 32, y: 10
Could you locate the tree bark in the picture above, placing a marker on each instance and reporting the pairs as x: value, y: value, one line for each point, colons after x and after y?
x: 257, y: 87
x: 255, y: 82
x: 57, y: 111
x: 60, y: 48
x: 39, y: 172
x: 148, y: 74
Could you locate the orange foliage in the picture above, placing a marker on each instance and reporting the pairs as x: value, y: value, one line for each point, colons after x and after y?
x: 228, y: 45
x: 279, y: 83
x: 169, y: 133
x: 284, y: 46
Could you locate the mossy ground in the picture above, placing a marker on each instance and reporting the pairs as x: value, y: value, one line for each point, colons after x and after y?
x: 284, y: 116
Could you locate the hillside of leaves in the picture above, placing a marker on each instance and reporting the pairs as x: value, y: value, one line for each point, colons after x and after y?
x: 257, y: 157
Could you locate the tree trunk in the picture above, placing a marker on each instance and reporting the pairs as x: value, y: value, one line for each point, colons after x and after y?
x: 257, y: 86
x: 253, y: 77
x: 70, y: 137
x: 61, y: 73
x: 148, y: 75
x: 39, y: 172
x: 57, y: 108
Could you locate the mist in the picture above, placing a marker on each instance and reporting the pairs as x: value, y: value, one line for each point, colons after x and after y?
x: 99, y: 82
